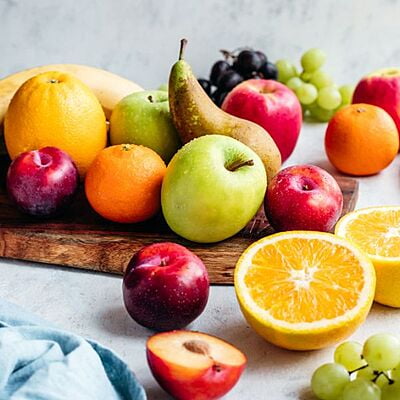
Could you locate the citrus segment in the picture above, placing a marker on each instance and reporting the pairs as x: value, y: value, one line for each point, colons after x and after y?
x: 304, y: 290
x: 376, y: 230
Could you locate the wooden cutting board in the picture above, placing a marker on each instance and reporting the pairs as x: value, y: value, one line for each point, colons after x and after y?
x: 82, y: 239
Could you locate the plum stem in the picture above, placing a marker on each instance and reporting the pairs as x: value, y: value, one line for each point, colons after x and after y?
x: 182, y: 48
x: 239, y: 164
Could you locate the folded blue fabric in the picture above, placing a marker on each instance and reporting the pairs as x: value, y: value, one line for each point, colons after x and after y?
x: 39, y: 362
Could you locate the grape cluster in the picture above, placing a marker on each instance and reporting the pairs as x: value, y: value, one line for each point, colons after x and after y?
x: 237, y: 67
x: 369, y: 372
x: 319, y: 96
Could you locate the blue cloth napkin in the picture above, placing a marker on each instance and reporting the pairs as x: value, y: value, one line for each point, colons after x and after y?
x: 39, y: 362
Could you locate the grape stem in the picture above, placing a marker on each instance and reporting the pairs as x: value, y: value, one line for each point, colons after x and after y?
x: 358, y: 369
x: 390, y: 380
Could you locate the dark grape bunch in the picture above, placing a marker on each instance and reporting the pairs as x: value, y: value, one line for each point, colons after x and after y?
x: 237, y: 67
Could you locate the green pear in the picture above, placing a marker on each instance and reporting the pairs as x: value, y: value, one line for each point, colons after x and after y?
x: 194, y: 114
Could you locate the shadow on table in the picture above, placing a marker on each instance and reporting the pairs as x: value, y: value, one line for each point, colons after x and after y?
x: 156, y: 393
x: 117, y: 321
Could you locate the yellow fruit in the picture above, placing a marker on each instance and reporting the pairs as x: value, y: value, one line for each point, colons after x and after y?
x: 109, y: 88
x: 304, y: 290
x: 376, y: 231
x: 56, y: 109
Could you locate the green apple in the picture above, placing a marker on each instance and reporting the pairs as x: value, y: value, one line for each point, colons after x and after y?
x: 143, y: 118
x: 213, y: 186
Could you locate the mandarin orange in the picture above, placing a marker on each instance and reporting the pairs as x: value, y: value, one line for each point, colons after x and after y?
x: 123, y: 184
x: 361, y: 139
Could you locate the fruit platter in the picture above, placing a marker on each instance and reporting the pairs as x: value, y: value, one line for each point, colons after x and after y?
x: 191, y: 185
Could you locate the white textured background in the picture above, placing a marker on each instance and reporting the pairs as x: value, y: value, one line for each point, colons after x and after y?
x: 139, y: 39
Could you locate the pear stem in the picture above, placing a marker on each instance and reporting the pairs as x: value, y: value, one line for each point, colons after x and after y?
x: 239, y: 164
x: 182, y: 48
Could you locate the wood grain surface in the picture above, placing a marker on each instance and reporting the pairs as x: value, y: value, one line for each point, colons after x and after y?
x: 82, y: 239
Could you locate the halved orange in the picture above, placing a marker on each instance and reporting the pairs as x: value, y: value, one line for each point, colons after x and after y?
x: 376, y: 231
x: 304, y: 290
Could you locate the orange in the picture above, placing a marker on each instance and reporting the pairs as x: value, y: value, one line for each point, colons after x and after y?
x: 304, y: 290
x: 56, y: 109
x: 361, y: 139
x: 376, y: 231
x: 123, y: 184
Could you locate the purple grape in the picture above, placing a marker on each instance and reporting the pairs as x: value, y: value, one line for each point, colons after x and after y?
x: 206, y: 85
x: 229, y: 80
x: 217, y: 71
x: 269, y: 71
x: 262, y: 57
x: 248, y: 61
x: 219, y: 97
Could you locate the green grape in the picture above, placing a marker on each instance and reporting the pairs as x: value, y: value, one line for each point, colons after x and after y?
x: 286, y: 70
x: 395, y: 373
x: 382, y: 351
x: 329, y: 98
x: 294, y: 83
x: 361, y: 389
x: 391, y: 391
x: 306, y: 93
x: 346, y: 92
x: 349, y: 355
x: 163, y: 87
x: 306, y: 76
x: 369, y: 374
x: 312, y: 60
x: 329, y: 380
x: 321, y: 79
x: 320, y: 114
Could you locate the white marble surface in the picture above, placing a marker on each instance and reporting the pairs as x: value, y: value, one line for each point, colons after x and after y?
x: 90, y: 304
x: 139, y: 38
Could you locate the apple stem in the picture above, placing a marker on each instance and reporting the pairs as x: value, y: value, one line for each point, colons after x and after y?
x: 150, y: 98
x: 239, y: 164
x: 163, y: 262
x: 182, y: 48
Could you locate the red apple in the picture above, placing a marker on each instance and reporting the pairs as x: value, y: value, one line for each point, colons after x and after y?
x: 303, y: 197
x: 42, y: 182
x: 270, y: 104
x: 382, y: 89
x: 165, y: 286
x: 193, y: 365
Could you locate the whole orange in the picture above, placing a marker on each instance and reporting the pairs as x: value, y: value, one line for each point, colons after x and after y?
x: 361, y: 139
x: 56, y: 109
x: 123, y: 184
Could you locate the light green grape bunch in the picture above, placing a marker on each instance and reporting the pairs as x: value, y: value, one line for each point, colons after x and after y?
x: 369, y: 372
x: 318, y: 95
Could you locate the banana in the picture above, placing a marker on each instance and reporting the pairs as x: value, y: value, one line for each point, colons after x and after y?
x: 109, y: 88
